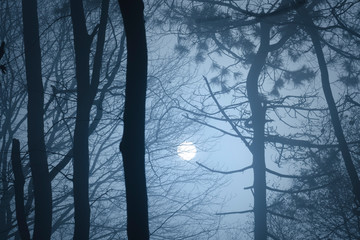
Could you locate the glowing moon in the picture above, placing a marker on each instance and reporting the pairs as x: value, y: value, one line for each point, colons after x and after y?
x: 186, y: 151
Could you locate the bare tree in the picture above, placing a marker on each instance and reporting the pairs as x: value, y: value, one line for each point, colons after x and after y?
x: 343, y: 146
x: 210, y: 21
x: 132, y: 144
x: 86, y: 92
x: 19, y: 190
x: 13, y: 98
x: 35, y: 123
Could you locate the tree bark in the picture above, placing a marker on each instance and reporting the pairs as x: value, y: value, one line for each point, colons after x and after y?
x: 35, y: 122
x: 339, y: 133
x: 258, y: 144
x: 19, y: 190
x: 132, y: 144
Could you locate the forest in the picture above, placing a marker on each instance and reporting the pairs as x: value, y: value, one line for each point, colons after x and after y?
x: 180, y: 119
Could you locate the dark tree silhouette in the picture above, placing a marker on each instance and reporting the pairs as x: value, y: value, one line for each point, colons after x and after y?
x: 2, y: 52
x: 86, y: 91
x: 132, y: 144
x: 213, y: 23
x: 257, y: 147
x: 82, y: 42
x: 35, y: 122
x: 2, y: 49
x: 334, y: 115
x: 19, y: 190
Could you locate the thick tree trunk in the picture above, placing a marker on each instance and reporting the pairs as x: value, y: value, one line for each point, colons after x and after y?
x: 86, y: 93
x: 35, y: 121
x: 257, y: 146
x: 339, y: 133
x: 19, y: 190
x: 133, y: 141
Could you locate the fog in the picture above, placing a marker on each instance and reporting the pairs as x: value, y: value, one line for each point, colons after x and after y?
x: 192, y: 119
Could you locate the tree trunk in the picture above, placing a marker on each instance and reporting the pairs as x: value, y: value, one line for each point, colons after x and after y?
x: 86, y: 93
x: 132, y: 144
x: 339, y: 133
x: 257, y: 146
x: 81, y: 146
x: 19, y: 190
x: 5, y: 199
x: 35, y: 123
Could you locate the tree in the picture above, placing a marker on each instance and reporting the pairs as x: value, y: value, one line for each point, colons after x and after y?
x: 331, y: 211
x: 211, y: 14
x: 86, y: 92
x: 343, y: 146
x: 35, y: 123
x: 257, y: 147
x: 132, y: 145
x: 19, y: 190
x: 13, y: 98
x: 226, y: 25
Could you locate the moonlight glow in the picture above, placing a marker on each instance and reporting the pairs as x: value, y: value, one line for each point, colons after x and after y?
x: 186, y: 151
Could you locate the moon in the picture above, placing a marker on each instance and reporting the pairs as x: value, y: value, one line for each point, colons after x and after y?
x: 186, y: 151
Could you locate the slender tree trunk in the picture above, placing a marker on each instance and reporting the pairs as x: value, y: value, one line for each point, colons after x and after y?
x: 133, y: 141
x: 19, y: 190
x: 339, y: 133
x: 5, y: 224
x: 86, y: 92
x: 35, y: 122
x: 81, y: 146
x: 257, y: 145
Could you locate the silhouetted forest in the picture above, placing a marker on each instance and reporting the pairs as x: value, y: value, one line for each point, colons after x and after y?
x: 97, y: 97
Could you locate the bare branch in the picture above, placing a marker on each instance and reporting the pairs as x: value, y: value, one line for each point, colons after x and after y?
x: 282, y: 215
x: 224, y: 172
x: 235, y: 212
x: 225, y: 115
